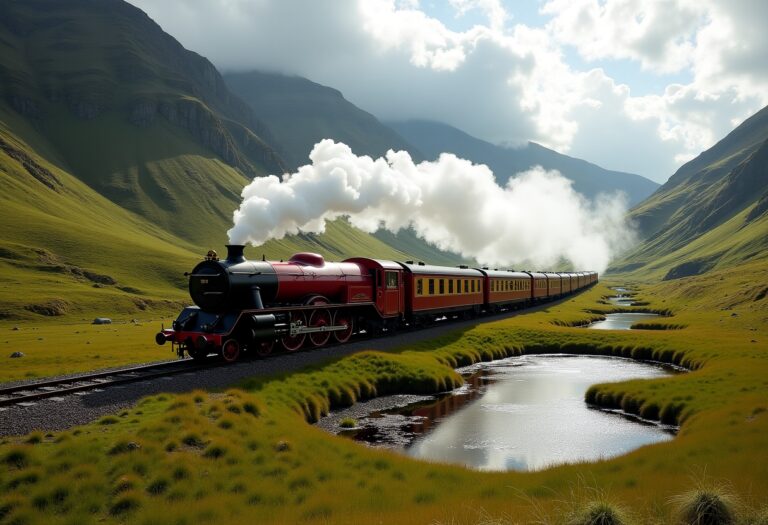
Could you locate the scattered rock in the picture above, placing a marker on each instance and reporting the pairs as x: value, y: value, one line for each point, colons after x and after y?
x: 52, y: 308
x: 282, y: 446
x: 17, y: 355
x: 132, y: 445
x: 688, y: 269
x: 734, y: 314
x: 102, y: 320
x: 15, y: 328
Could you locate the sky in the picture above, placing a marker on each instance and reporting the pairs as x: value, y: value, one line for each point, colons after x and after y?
x: 631, y: 85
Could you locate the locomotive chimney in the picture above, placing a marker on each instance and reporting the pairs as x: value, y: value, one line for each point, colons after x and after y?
x: 235, y: 253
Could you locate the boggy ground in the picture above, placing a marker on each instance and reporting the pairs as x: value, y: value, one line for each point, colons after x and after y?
x: 249, y: 456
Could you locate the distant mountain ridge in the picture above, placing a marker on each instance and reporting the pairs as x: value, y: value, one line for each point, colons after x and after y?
x: 713, y: 211
x: 300, y: 113
x: 432, y: 138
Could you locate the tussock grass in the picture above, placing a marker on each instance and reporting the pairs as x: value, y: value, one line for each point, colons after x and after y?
x: 708, y: 503
x: 657, y: 326
x: 282, y: 470
x: 598, y: 513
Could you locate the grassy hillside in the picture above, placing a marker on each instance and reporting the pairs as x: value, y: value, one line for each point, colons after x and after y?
x: 122, y: 157
x: 433, y: 138
x: 76, y: 253
x: 102, y: 92
x: 711, y: 213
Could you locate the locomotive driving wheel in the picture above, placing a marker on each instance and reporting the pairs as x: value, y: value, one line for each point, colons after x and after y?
x: 342, y: 318
x: 293, y: 343
x: 230, y: 350
x: 319, y: 318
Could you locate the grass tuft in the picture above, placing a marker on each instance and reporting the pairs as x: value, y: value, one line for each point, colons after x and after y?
x: 123, y: 446
x: 215, y: 451
x: 193, y: 440
x: 711, y: 506
x: 348, y: 422
x: 17, y: 457
x: 34, y: 438
x: 598, y: 513
x: 125, y: 503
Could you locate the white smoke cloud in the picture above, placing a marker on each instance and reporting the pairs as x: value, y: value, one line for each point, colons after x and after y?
x: 536, y: 220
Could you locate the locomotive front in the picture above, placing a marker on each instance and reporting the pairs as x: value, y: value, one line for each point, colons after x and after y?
x: 233, y: 283
x: 222, y: 290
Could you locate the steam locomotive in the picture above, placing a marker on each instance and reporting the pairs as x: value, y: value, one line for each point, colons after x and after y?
x: 254, y: 306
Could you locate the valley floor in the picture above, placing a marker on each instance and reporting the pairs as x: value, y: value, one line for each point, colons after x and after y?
x: 248, y: 454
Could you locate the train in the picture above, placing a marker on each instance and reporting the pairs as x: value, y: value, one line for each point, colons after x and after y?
x: 245, y: 306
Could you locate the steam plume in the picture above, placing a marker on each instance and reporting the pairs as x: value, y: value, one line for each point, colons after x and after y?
x: 535, y: 221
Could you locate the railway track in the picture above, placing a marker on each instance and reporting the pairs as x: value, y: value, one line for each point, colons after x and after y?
x: 21, y: 395
x: 29, y: 393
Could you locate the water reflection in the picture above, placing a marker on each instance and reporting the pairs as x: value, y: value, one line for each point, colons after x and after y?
x: 621, y: 321
x: 523, y: 413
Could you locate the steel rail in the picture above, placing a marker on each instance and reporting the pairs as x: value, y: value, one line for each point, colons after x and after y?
x: 31, y: 392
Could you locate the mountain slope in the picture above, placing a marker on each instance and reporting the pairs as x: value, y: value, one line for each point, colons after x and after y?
x: 300, y: 113
x: 122, y: 158
x: 712, y: 212
x: 108, y: 96
x: 433, y: 138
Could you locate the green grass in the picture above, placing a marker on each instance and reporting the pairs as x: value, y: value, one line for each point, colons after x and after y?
x: 213, y: 457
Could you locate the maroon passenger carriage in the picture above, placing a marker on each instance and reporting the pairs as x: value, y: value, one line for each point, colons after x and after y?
x: 308, y: 302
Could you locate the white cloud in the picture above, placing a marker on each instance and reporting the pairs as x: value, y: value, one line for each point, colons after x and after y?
x: 658, y: 34
x: 509, y: 84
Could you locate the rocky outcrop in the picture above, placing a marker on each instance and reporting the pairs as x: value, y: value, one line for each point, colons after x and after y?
x: 40, y: 173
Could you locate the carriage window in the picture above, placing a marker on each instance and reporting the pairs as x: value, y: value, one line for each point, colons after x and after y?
x: 442, y: 286
x: 450, y: 285
x: 431, y: 287
x: 392, y: 280
x: 419, y: 286
x: 458, y: 285
x: 466, y: 285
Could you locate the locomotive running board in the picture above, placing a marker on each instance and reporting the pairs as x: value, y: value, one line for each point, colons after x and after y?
x: 298, y: 330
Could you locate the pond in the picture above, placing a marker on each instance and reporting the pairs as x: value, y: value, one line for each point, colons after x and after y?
x: 522, y: 413
x: 621, y: 321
